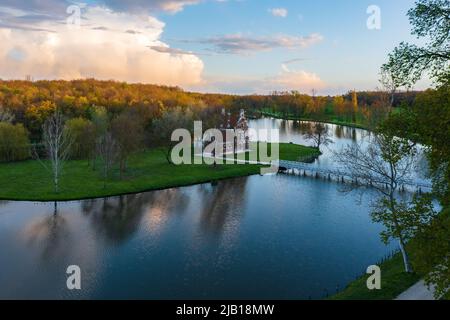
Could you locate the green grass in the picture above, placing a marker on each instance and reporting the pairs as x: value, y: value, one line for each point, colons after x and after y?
x: 393, y: 282
x: 394, y: 279
x: 294, y: 152
x: 288, y: 151
x: 29, y: 180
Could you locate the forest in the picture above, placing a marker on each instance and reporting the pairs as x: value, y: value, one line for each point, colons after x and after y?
x: 30, y: 103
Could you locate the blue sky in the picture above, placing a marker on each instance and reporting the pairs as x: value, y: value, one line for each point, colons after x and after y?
x: 232, y: 46
x: 350, y: 54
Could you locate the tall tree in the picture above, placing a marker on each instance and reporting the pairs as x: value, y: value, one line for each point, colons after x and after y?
x: 166, y: 125
x: 431, y: 254
x: 107, y: 149
x: 83, y: 134
x: 128, y: 132
x: 14, y: 142
x: 389, y: 86
x: 100, y: 121
x: 430, y: 20
x: 319, y: 134
x: 5, y: 115
x: 57, y: 142
x: 385, y: 164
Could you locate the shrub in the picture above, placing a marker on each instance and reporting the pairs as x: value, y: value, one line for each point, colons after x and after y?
x: 82, y: 132
x: 14, y: 142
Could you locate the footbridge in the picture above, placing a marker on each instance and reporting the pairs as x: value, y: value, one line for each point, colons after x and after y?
x: 306, y: 169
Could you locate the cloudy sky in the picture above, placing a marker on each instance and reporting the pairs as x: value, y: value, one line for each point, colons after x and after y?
x: 231, y: 46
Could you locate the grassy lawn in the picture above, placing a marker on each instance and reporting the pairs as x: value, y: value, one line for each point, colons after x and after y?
x: 294, y: 152
x: 393, y: 282
x: 288, y: 151
x: 29, y: 180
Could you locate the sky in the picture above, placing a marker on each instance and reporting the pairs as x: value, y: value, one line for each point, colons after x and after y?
x: 224, y: 46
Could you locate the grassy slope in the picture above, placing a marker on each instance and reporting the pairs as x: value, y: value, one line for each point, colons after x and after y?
x: 29, y: 180
x: 394, y: 279
x: 393, y: 282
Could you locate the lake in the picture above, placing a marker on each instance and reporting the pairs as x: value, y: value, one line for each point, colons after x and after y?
x: 259, y: 237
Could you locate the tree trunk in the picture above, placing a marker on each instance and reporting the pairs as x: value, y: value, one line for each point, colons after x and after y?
x: 122, y: 168
x: 168, y: 155
x: 56, y: 183
x: 105, y: 175
x: 405, y: 256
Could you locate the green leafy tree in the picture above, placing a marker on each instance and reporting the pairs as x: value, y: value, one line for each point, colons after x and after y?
x: 431, y: 253
x: 430, y: 20
x: 166, y: 125
x: 5, y: 115
x: 128, y: 133
x: 432, y: 128
x: 83, y: 135
x: 101, y: 123
x: 385, y: 164
x: 412, y: 217
x: 14, y: 142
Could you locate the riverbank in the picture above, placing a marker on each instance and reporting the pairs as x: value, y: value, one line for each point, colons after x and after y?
x: 149, y: 170
x: 394, y: 281
x: 330, y: 121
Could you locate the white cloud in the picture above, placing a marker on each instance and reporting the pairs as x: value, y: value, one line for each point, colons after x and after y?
x: 139, y: 6
x: 286, y: 80
x: 108, y: 45
x: 238, y: 43
x: 57, y: 8
x: 300, y: 80
x: 279, y: 12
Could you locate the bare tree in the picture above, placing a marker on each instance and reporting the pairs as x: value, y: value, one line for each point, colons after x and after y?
x: 100, y: 121
x: 5, y: 115
x: 107, y: 150
x: 128, y: 133
x: 57, y: 143
x: 385, y: 164
x: 319, y: 134
x: 389, y: 85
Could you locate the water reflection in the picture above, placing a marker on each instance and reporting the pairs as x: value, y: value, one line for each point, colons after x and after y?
x: 50, y: 233
x: 261, y: 237
x: 162, y: 205
x: 118, y: 218
x: 3, y: 203
x: 223, y: 206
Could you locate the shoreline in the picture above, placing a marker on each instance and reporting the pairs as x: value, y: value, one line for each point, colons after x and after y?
x: 338, y: 123
x: 148, y: 171
x: 113, y: 195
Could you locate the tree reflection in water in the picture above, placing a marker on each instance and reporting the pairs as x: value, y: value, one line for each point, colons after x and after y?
x: 223, y: 206
x: 51, y: 233
x: 339, y: 132
x: 118, y: 218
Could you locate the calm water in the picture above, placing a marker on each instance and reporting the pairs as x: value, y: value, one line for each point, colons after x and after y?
x: 274, y: 237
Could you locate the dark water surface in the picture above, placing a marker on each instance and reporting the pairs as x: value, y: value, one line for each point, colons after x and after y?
x: 261, y: 237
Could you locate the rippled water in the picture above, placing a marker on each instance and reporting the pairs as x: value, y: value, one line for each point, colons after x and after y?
x: 274, y: 237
